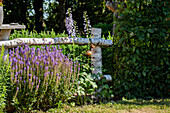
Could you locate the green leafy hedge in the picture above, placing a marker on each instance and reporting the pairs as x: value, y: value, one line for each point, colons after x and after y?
x: 141, y: 50
x: 4, y: 79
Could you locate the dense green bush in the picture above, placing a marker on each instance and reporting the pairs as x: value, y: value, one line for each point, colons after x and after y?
x: 4, y: 79
x: 141, y: 50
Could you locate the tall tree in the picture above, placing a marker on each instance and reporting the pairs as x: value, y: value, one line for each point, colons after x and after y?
x: 62, y: 8
x: 38, y: 7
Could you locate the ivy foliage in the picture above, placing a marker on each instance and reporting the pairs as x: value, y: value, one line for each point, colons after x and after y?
x: 141, y: 50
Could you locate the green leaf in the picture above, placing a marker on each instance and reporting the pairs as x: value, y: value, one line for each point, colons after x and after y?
x: 144, y: 73
x: 150, y: 30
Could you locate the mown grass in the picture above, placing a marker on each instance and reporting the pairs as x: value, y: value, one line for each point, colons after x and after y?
x: 124, y: 106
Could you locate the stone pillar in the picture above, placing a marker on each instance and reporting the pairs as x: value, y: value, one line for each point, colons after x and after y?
x: 4, y: 36
x: 96, y: 56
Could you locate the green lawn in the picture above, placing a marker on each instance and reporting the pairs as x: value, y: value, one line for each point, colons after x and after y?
x: 125, y: 106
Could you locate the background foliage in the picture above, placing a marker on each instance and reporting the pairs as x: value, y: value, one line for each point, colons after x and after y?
x: 54, y: 13
x: 141, y: 50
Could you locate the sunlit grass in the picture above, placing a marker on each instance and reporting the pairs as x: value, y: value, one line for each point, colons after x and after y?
x: 125, y: 106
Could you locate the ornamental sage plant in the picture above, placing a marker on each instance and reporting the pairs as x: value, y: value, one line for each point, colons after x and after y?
x: 36, y: 72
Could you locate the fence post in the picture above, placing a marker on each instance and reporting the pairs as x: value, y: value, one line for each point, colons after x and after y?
x: 4, y: 36
x: 96, y: 56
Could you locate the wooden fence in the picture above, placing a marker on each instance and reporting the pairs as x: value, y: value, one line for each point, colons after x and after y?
x: 96, y: 40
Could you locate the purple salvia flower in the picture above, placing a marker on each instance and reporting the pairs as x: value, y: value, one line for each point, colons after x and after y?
x: 21, y: 71
x: 37, y: 87
x: 20, y: 62
x: 20, y: 78
x: 17, y: 88
x: 17, y: 81
x: 46, y: 68
x: 16, y: 66
x: 37, y: 63
x: 44, y: 62
x: 32, y: 83
x: 47, y: 63
x: 34, y: 77
x: 24, y: 81
x: 45, y: 74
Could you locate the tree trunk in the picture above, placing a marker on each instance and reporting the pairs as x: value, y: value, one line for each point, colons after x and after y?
x: 62, y: 14
x: 24, y: 12
x: 38, y: 7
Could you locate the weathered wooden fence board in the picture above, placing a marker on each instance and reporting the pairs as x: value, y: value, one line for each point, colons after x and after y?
x: 55, y: 41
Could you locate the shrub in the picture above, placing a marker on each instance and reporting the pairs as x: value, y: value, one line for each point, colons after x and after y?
x: 141, y: 53
x: 41, y: 78
x: 4, y: 79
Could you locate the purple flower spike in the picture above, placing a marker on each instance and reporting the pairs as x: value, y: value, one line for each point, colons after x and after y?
x: 39, y: 80
x: 37, y: 63
x: 45, y: 74
x: 44, y: 62
x: 16, y: 67
x: 46, y: 68
x: 30, y: 75
x: 29, y: 80
x: 57, y: 75
x: 32, y: 83
x: 47, y: 63
x: 24, y: 81
x: 20, y: 78
x: 21, y: 71
x: 51, y: 73
x: 28, y: 67
x: 20, y: 62
x: 24, y: 68
x: 17, y: 88
x: 17, y: 81
x: 33, y: 69
x: 36, y: 78
x: 37, y: 87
